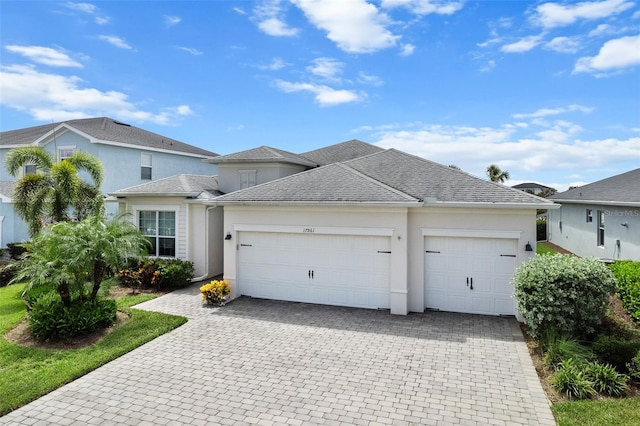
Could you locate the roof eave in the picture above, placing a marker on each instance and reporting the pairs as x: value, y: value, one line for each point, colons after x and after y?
x: 214, y: 160
x: 154, y: 194
x: 485, y: 205
x: 316, y: 203
x: 600, y: 203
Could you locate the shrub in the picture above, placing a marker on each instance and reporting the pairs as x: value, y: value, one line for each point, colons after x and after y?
x: 605, y: 379
x: 174, y: 273
x: 541, y: 230
x: 634, y: 366
x: 615, y: 351
x: 140, y: 273
x: 563, y: 294
x: 16, y: 250
x: 50, y: 319
x: 571, y: 380
x: 558, y: 347
x: 215, y: 292
x: 628, y: 288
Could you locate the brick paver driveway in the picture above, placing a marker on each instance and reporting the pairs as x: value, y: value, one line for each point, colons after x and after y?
x: 270, y: 363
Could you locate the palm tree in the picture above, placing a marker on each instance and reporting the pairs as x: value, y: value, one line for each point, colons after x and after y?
x: 56, y: 190
x: 496, y: 175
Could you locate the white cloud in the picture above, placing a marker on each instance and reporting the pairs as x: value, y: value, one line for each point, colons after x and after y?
x: 45, y: 55
x: 115, y: 41
x: 239, y: 10
x: 491, y: 64
x: 523, y: 45
x: 613, y: 55
x: 191, y: 50
x: 407, y: 49
x: 170, y: 21
x: 373, y: 80
x: 551, y: 15
x: 564, y: 44
x: 324, y: 95
x: 326, y: 68
x: 52, y: 97
x: 102, y: 20
x: 425, y: 7
x: 275, y: 65
x: 81, y: 7
x: 355, y: 25
x: 269, y: 15
x: 546, y: 112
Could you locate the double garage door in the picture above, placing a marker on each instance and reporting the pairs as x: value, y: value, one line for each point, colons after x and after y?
x: 461, y: 274
x: 341, y: 270
x: 470, y: 274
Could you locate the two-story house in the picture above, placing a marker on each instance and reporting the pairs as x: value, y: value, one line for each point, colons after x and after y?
x: 130, y: 156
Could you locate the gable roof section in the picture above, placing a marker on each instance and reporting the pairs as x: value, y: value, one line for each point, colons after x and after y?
x: 192, y: 186
x: 102, y: 130
x: 262, y: 154
x: 341, y: 152
x: 388, y: 176
x: 530, y: 185
x: 332, y: 184
x: 623, y: 189
x: 433, y: 182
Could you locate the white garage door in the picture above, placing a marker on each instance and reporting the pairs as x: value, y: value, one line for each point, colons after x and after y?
x: 342, y: 270
x: 470, y: 274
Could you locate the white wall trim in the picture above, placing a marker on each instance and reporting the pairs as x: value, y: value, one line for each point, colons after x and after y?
x: 311, y: 229
x: 473, y: 233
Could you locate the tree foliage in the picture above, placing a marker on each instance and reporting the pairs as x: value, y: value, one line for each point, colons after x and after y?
x: 495, y: 174
x: 56, y: 191
x: 78, y: 257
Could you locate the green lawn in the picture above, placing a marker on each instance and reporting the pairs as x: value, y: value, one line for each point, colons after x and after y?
x: 541, y: 248
x: 28, y: 373
x: 617, y: 412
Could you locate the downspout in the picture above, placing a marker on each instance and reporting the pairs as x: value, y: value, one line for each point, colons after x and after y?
x: 206, y: 246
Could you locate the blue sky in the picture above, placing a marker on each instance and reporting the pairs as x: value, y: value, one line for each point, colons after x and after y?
x: 549, y: 91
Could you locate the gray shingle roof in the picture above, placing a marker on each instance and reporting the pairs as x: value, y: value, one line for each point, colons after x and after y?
x: 622, y: 188
x: 341, y: 152
x: 530, y: 185
x: 335, y: 183
x: 6, y: 188
x: 388, y: 176
x: 107, y: 130
x: 183, y: 185
x: 424, y: 179
x: 262, y: 154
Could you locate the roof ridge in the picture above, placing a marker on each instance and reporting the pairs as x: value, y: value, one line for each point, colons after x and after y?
x: 370, y: 179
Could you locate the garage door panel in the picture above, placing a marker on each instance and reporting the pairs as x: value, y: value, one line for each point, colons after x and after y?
x: 347, y: 270
x: 449, y: 261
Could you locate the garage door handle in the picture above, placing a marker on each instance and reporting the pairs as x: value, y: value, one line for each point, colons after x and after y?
x: 246, y: 245
x: 310, y: 274
x: 431, y: 251
x: 382, y: 251
x: 471, y: 283
x: 508, y: 255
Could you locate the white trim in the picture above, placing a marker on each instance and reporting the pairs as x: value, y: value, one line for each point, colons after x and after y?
x: 473, y: 233
x: 485, y: 205
x: 600, y: 203
x: 311, y: 229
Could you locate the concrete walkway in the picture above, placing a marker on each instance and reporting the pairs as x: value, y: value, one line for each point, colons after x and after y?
x: 272, y: 363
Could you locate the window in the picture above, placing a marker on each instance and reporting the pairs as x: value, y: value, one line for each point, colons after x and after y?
x: 247, y: 178
x: 160, y: 228
x: 145, y: 169
x: 600, y: 228
x: 30, y: 169
x: 589, y: 215
x: 65, y: 152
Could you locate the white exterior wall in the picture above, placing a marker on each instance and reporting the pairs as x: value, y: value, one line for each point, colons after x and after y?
x: 485, y: 222
x: 392, y: 220
x: 569, y: 229
x: 205, y: 240
x: 406, y: 228
x: 229, y: 174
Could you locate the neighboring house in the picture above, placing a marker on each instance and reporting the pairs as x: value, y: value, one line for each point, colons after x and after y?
x: 601, y: 219
x: 130, y: 156
x: 534, y: 188
x: 355, y: 225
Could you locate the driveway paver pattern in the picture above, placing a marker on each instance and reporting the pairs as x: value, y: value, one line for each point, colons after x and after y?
x: 277, y: 363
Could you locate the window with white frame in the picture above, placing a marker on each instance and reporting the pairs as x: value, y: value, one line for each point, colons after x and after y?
x: 589, y: 215
x: 145, y: 166
x: 160, y: 228
x: 65, y: 152
x: 600, y: 228
x: 248, y: 178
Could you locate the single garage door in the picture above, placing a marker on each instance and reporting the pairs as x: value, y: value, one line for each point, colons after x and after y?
x: 470, y: 275
x: 342, y: 270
